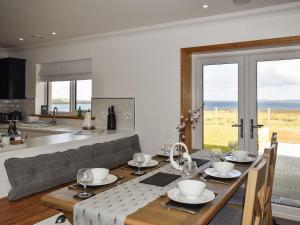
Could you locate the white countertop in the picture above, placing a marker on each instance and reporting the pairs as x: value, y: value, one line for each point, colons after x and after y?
x: 55, y: 143
x: 47, y: 129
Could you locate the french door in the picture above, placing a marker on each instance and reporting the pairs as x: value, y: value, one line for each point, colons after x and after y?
x: 219, y: 84
x: 235, y: 92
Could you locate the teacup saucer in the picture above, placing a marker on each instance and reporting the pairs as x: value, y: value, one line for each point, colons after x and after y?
x: 149, y: 164
x: 175, y: 195
x: 110, y: 178
x: 231, y: 158
x: 232, y: 174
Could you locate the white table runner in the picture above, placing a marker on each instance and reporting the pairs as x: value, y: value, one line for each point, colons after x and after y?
x: 114, y: 205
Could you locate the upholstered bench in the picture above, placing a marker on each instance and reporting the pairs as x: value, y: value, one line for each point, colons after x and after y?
x: 31, y: 175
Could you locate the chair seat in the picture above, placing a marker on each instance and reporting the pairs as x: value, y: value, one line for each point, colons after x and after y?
x: 238, y: 198
x: 228, y: 216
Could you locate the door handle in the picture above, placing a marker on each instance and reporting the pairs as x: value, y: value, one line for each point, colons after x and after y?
x: 241, y: 126
x: 252, y: 126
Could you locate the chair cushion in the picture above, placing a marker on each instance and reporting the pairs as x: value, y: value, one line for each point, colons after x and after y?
x: 31, y: 175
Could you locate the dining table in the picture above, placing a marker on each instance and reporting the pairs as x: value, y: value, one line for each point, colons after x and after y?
x: 155, y: 212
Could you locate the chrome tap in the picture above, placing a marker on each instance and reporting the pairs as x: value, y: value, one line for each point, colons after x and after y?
x: 53, y: 115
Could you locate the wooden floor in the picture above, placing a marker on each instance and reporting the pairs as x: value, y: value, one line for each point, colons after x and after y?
x: 26, y: 211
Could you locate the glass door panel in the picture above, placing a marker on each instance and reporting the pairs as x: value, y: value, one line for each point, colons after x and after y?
x: 220, y: 95
x: 278, y: 108
x: 220, y: 86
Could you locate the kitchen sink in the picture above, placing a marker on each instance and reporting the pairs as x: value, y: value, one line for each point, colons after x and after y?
x: 39, y: 123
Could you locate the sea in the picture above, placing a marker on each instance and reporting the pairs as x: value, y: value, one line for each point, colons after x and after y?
x: 211, y: 105
x: 66, y: 107
x: 264, y: 104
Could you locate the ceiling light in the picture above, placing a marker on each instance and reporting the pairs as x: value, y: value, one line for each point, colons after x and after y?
x: 53, y: 33
x: 241, y: 2
x: 205, y: 6
x: 21, y: 39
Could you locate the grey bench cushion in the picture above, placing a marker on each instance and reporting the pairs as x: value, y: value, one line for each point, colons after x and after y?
x: 31, y: 175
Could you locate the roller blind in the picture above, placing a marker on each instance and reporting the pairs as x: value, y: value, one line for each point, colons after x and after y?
x: 66, y: 70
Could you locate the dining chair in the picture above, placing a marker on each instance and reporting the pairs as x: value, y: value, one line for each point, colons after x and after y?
x: 253, y: 213
x: 254, y: 208
x: 238, y: 198
x: 272, y: 151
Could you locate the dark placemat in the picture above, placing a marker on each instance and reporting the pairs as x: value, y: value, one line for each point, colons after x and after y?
x: 77, y: 196
x: 193, y: 207
x: 79, y: 186
x: 200, y: 162
x: 160, y: 179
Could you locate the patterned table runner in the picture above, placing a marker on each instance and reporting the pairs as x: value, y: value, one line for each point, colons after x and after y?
x: 114, y: 205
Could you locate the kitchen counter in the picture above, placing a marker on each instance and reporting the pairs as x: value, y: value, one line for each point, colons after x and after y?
x: 49, y: 129
x: 55, y: 143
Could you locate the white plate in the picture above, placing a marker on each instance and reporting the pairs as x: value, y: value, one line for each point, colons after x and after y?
x: 212, y: 172
x: 167, y: 154
x: 175, y: 195
x: 233, y: 159
x: 108, y: 180
x: 149, y: 164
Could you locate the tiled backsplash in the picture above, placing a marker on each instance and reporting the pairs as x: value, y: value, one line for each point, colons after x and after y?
x: 26, y: 106
x: 124, y: 109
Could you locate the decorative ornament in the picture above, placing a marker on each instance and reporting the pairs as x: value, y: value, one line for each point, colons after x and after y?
x: 185, y: 155
x: 192, y: 119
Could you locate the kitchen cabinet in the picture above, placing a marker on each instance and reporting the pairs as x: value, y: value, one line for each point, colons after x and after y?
x: 12, y: 77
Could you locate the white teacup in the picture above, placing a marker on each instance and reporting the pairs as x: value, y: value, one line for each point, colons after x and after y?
x: 240, y: 154
x: 147, y: 158
x: 223, y: 168
x: 191, y: 188
x: 99, y: 174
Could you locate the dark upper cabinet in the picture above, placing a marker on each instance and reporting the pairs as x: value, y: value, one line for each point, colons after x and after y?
x: 12, y: 78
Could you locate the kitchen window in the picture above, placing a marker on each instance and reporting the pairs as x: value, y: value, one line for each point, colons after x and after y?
x: 69, y: 84
x: 68, y: 96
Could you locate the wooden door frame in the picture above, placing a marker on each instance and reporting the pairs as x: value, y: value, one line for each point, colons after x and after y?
x: 186, y: 66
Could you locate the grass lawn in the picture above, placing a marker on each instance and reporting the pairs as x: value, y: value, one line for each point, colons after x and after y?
x: 218, y: 130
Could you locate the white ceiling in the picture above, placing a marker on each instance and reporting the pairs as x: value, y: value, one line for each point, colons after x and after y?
x: 75, y: 18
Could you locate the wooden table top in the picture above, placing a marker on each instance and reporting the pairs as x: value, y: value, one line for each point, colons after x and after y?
x: 154, y: 213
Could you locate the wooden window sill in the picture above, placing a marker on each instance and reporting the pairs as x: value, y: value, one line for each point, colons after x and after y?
x: 72, y: 117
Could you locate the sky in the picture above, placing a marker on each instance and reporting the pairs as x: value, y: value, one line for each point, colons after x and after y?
x: 61, y: 89
x: 276, y: 80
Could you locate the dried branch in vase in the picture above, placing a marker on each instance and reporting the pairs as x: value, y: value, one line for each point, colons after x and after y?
x: 192, y: 119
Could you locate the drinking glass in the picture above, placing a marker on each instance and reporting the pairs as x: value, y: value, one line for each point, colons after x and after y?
x: 190, y: 168
x: 85, y: 177
x: 139, y: 159
x: 233, y: 145
x: 215, y: 154
x: 166, y: 149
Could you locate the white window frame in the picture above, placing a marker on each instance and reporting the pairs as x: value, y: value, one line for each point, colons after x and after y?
x: 73, y: 97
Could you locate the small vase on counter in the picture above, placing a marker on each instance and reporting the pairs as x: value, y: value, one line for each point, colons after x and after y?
x: 111, y: 119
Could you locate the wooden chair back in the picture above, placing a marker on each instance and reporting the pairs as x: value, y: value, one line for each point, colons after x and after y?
x: 253, y: 213
x: 271, y: 155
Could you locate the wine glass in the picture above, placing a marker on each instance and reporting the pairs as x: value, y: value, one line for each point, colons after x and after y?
x: 85, y: 177
x: 190, y: 168
x: 215, y: 155
x: 166, y: 148
x: 139, y: 159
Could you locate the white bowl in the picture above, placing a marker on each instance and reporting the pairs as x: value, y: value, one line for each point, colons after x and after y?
x: 99, y: 174
x: 240, y: 154
x: 147, y: 158
x: 191, y: 188
x: 223, y: 168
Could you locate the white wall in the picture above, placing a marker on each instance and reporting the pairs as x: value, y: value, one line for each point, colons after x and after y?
x: 146, y: 65
x: 3, y: 53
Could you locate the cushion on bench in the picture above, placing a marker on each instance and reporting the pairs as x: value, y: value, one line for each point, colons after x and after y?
x: 31, y: 175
